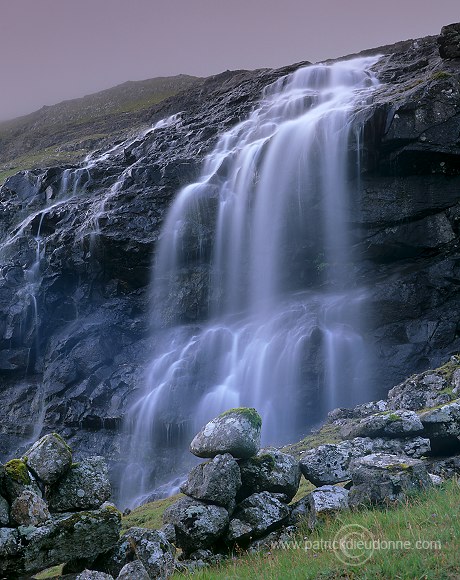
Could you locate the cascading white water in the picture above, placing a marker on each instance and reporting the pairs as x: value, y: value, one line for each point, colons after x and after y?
x: 270, y: 213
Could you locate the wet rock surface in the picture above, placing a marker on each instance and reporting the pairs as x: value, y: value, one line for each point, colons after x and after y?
x: 74, y: 278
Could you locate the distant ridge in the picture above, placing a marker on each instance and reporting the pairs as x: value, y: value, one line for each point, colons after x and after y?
x: 66, y: 132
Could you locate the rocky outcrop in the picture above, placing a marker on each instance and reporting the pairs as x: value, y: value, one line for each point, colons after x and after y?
x: 33, y: 538
x: 77, y: 246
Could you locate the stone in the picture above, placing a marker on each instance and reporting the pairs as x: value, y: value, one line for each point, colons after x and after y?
x: 255, y: 516
x: 16, y: 479
x: 329, y: 463
x: 69, y: 536
x: 446, y: 467
x: 93, y: 575
x: 133, y: 571
x: 85, y: 486
x: 449, y: 41
x: 422, y: 391
x: 112, y: 561
x: 435, y: 479
x: 198, y: 525
x: 28, y: 509
x: 49, y: 458
x: 9, y: 549
x: 216, y: 481
x: 153, y: 550
x: 270, y: 470
x: 442, y: 426
x: 399, y: 423
x: 4, y: 512
x: 322, y: 502
x: 273, y: 540
x: 236, y: 431
x: 381, y: 478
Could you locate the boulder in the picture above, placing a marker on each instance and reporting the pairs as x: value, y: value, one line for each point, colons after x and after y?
x: 379, y: 478
x: 153, y: 550
x: 442, y: 426
x: 133, y: 571
x: 329, y: 463
x: 422, y: 391
x: 112, y: 561
x: 197, y: 524
x: 28, y: 509
x: 270, y: 470
x: 449, y: 41
x: 216, y: 481
x: 446, y: 467
x: 323, y: 501
x: 85, y: 486
x: 63, y: 538
x: 4, y: 512
x: 236, y: 431
x: 255, y: 516
x: 398, y: 423
x: 49, y: 458
x: 9, y: 548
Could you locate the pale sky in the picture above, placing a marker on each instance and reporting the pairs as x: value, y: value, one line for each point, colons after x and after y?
x: 52, y: 50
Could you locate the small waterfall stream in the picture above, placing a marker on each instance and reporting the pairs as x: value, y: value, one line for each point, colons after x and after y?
x: 266, y: 228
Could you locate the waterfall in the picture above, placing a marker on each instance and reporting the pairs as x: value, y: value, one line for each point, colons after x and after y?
x: 254, y: 296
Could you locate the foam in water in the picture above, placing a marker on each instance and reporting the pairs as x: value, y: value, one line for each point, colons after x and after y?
x: 284, y: 316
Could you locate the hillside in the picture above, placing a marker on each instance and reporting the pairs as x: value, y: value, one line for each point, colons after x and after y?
x: 66, y: 132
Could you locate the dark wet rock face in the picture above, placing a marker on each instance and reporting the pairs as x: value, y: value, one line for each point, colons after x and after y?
x: 74, y: 322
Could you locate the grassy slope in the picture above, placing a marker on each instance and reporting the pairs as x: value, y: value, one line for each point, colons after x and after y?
x: 66, y: 132
x: 432, y: 518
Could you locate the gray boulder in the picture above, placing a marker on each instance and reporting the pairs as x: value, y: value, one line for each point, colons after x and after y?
x: 379, y: 478
x: 28, y: 509
x: 449, y: 41
x: 133, y: 571
x: 442, y: 425
x: 270, y: 470
x: 4, y: 512
x: 329, y: 463
x: 236, y: 431
x: 446, y: 467
x: 153, y: 550
x: 49, y: 458
x: 323, y: 501
x: 112, y: 561
x: 9, y: 548
x: 65, y: 537
x: 257, y: 515
x: 399, y: 423
x: 422, y: 391
x: 198, y: 525
x: 216, y: 481
x: 85, y: 486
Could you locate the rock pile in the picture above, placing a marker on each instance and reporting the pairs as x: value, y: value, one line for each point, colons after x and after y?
x: 53, y: 511
x: 240, y: 495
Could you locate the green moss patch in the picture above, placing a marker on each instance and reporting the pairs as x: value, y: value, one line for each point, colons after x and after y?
x: 17, y: 470
x: 248, y: 413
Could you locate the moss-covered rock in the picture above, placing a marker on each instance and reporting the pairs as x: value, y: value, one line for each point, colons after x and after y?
x: 85, y: 486
x: 49, y: 458
x: 236, y: 431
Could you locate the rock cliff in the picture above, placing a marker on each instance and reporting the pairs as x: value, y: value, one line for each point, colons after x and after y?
x: 74, y: 322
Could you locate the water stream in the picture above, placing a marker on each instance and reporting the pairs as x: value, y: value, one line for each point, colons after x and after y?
x: 264, y: 236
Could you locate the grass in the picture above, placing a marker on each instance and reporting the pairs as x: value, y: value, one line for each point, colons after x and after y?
x: 416, y: 540
x: 327, y: 434
x: 148, y: 515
